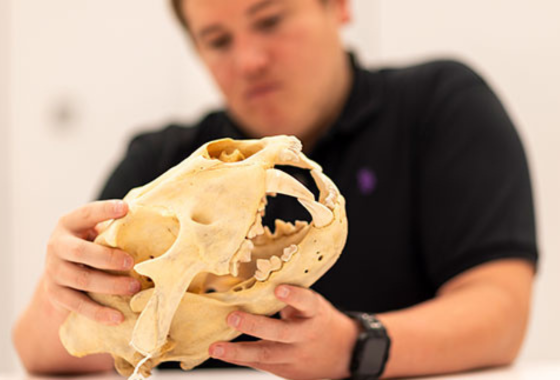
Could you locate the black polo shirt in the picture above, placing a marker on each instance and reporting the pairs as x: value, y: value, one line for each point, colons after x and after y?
x: 432, y: 169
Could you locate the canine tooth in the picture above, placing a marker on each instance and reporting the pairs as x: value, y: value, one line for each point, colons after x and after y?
x: 243, y: 255
x: 289, y: 252
x: 330, y: 200
x: 276, y: 263
x: 279, y: 182
x: 234, y: 268
x: 327, y: 189
x: 321, y: 214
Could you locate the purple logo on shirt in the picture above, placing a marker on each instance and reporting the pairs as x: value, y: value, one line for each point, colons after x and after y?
x: 367, y: 181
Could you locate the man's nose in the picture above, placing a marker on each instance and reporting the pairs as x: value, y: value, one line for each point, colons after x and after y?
x: 251, y: 57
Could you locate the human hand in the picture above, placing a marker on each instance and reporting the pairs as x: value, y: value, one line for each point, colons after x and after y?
x: 312, y: 340
x: 73, y: 263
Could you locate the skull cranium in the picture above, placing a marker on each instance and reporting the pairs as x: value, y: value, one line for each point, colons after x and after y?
x: 201, y: 251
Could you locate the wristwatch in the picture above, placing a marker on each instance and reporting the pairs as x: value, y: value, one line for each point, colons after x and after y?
x: 371, y: 351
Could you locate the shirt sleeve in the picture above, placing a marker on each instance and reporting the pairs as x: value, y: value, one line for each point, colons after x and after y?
x: 135, y: 169
x: 475, y: 199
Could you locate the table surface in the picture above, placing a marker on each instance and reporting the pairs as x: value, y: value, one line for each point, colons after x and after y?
x: 522, y: 371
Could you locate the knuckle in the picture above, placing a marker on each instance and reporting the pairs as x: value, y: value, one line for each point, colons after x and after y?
x: 248, y: 324
x: 265, y: 354
x: 284, y: 334
x: 83, y: 279
x: 84, y: 213
x: 77, y: 250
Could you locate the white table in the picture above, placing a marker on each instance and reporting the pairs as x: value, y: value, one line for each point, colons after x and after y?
x: 522, y: 371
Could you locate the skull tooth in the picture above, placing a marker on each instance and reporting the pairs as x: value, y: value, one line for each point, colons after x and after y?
x: 283, y: 228
x: 243, y: 255
x: 276, y: 263
x: 266, y: 267
x: 329, y: 192
x: 262, y: 205
x: 279, y: 182
x: 267, y: 232
x: 263, y: 269
x: 289, y: 252
x: 263, y: 265
x: 257, y: 228
x: 300, y: 224
x: 321, y: 214
x: 288, y: 155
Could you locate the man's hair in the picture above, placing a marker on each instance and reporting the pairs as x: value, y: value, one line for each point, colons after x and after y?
x: 177, y: 7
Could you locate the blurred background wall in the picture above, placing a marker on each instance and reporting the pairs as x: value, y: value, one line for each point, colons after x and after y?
x: 79, y: 78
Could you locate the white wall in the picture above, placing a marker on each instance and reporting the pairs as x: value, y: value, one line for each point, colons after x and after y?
x: 6, y: 257
x: 516, y: 45
x: 86, y: 74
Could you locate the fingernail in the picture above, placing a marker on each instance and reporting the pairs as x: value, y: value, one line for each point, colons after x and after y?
x: 128, y: 262
x: 134, y: 286
x: 234, y: 320
x: 118, y: 207
x: 217, y: 351
x: 283, y: 292
x: 116, y: 318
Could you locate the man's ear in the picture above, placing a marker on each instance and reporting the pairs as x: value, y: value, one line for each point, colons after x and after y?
x: 343, y: 11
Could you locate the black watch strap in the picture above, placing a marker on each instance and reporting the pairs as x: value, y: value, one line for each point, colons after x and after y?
x: 371, y: 351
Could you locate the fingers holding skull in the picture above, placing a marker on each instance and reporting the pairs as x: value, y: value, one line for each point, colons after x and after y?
x: 74, y: 264
x: 312, y: 340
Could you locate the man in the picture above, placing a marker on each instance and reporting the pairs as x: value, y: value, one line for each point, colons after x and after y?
x: 441, y: 251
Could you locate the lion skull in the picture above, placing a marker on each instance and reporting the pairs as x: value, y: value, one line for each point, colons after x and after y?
x: 201, y: 252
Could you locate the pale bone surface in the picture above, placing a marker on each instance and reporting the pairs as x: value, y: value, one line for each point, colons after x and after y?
x: 201, y: 252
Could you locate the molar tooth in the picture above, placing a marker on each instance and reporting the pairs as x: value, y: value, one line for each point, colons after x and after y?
x: 289, y: 252
x: 268, y: 233
x: 276, y: 263
x: 279, y: 182
x: 260, y: 276
x: 283, y: 228
x: 300, y: 224
x: 263, y: 269
x: 264, y: 265
x: 321, y: 214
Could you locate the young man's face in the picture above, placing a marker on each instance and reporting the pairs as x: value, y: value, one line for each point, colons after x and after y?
x: 279, y: 63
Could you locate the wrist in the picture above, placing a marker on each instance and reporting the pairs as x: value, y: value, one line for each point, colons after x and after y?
x: 350, y: 332
x: 371, y: 350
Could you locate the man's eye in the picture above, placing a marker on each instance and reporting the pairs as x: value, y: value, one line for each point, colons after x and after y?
x: 220, y: 43
x: 269, y: 23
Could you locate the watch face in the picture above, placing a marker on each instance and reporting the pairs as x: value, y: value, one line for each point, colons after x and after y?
x: 373, y: 355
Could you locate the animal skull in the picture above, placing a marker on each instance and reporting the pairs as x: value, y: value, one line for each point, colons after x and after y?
x: 196, y: 235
